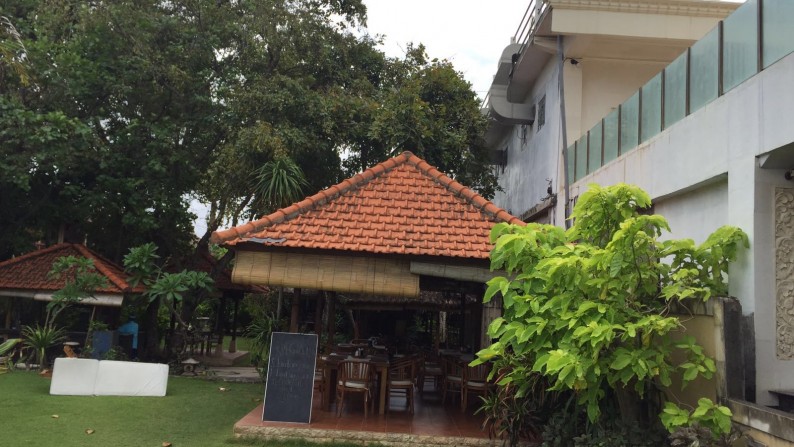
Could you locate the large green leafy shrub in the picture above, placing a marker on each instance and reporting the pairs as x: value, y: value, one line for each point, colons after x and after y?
x: 589, y: 308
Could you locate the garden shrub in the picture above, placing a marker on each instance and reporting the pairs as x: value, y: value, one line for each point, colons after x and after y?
x: 589, y: 308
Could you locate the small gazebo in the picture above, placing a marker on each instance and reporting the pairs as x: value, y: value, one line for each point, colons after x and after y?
x: 26, y: 277
x: 397, y: 230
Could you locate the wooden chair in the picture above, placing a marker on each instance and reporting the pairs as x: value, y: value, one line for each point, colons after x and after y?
x: 402, y: 379
x: 476, y: 382
x: 354, y: 377
x: 454, y: 377
x: 430, y: 368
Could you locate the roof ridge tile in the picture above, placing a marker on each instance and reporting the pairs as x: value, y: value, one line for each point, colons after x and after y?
x: 36, y: 264
x: 34, y: 253
x: 102, y: 267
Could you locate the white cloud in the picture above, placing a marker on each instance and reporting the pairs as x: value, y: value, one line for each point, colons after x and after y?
x: 469, y: 33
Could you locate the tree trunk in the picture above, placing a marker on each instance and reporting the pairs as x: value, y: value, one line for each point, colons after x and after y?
x: 233, y: 341
x: 151, y: 349
x: 629, y: 403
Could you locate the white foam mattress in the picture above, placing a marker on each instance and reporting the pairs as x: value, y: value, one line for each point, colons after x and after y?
x: 86, y: 377
x: 116, y: 378
x: 74, y: 377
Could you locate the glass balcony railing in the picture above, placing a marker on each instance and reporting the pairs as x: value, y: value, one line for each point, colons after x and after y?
x: 755, y: 36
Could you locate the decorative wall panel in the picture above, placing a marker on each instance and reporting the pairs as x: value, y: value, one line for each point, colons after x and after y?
x: 784, y: 272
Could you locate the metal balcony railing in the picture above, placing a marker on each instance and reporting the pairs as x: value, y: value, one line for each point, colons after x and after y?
x: 529, y: 23
x: 525, y: 31
x: 752, y: 38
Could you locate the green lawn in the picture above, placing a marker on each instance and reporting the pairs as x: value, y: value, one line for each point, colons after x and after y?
x: 194, y: 413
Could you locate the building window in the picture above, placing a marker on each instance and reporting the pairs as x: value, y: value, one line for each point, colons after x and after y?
x: 541, y: 112
x: 569, y: 221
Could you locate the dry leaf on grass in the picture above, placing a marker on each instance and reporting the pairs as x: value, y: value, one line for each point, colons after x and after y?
x: 55, y: 416
x: 223, y: 389
x: 89, y: 431
x: 166, y: 444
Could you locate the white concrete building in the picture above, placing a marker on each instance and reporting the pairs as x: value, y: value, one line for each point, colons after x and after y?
x: 694, y: 102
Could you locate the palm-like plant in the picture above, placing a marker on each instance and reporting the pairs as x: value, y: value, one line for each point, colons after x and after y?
x: 39, y: 339
x: 8, y: 345
x: 6, y: 348
x: 279, y: 183
x: 12, y: 50
x: 259, y: 332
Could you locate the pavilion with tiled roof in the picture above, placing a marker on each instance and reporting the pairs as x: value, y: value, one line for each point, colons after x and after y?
x: 397, y: 228
x: 27, y: 276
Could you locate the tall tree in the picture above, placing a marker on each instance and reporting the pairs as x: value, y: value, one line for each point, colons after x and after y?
x: 38, y: 147
x: 293, y: 97
x: 140, y: 106
x: 427, y: 107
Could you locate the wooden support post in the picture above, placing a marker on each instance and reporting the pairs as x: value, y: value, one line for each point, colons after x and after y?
x: 295, y: 315
x: 318, y: 315
x: 477, y: 320
x: 279, y: 305
x: 437, y: 336
x: 331, y: 321
x: 462, y: 337
x: 11, y: 306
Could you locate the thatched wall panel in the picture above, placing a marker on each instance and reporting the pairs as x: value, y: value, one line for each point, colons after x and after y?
x: 346, y: 274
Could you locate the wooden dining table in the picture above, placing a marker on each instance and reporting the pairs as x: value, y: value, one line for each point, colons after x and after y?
x: 381, y: 365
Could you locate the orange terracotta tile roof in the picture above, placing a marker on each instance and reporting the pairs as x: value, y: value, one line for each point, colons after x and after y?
x: 30, y: 271
x: 402, y: 206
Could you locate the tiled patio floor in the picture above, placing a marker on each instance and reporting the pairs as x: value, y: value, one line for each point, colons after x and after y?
x: 431, y: 424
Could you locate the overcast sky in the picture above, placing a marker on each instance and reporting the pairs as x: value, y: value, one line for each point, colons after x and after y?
x: 469, y: 33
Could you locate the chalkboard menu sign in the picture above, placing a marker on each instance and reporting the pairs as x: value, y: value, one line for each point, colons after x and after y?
x: 290, y: 377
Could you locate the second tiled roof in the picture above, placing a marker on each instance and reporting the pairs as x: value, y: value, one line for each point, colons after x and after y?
x: 402, y: 206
